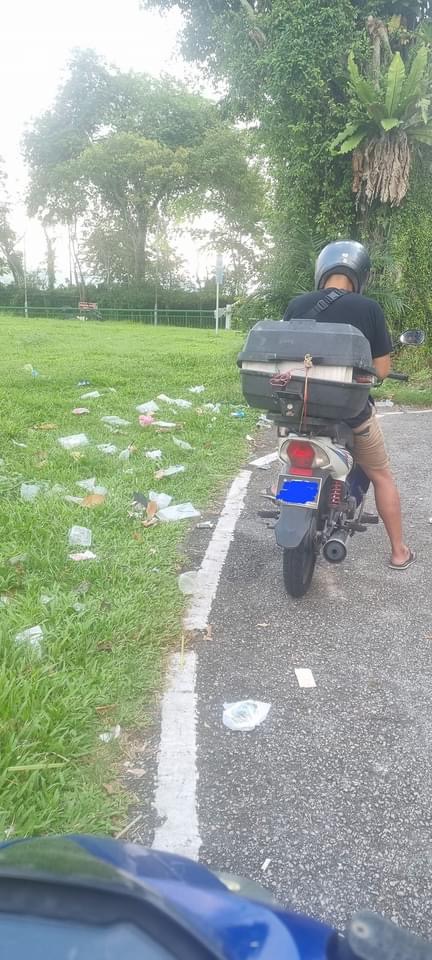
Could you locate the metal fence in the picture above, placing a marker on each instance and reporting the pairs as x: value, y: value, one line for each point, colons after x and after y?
x: 202, y: 319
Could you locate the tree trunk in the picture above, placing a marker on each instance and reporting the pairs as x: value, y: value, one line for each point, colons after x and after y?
x: 50, y: 259
x: 140, y: 252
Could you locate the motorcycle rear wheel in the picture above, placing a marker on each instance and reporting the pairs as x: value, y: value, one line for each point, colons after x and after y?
x: 298, y: 567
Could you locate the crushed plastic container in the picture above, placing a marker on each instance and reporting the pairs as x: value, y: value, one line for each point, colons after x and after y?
x: 109, y: 448
x: 245, y: 715
x: 93, y: 395
x: 80, y: 537
x: 161, y: 500
x: 149, y: 407
x: 73, y: 441
x: 180, y: 404
x: 154, y: 454
x: 170, y: 472
x: 212, y: 407
x: 85, y: 555
x: 115, y: 421
x: 29, y: 491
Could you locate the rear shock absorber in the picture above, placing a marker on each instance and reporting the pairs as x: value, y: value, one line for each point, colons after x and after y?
x: 336, y: 493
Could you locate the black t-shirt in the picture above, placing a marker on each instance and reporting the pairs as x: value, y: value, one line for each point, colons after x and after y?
x: 353, y: 308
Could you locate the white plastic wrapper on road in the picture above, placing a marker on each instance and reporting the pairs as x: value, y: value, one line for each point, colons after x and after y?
x: 245, y: 715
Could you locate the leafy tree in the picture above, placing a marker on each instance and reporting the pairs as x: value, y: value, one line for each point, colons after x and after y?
x: 124, y: 151
x: 10, y: 259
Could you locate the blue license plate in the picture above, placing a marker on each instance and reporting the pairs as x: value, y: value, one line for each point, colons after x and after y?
x: 299, y: 493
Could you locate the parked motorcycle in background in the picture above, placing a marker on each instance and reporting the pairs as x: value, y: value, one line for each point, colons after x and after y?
x: 311, y: 377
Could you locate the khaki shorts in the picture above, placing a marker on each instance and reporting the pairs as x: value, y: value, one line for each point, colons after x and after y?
x: 369, y: 446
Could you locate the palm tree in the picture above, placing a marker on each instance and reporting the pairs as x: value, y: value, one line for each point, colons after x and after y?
x: 390, y: 120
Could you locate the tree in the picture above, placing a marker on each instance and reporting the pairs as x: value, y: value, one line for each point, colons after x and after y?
x: 10, y: 259
x: 136, y: 151
x: 391, y: 117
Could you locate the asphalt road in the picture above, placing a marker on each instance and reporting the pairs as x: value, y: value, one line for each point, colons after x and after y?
x: 335, y: 787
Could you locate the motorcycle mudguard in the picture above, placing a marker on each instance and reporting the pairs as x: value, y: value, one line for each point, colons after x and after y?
x: 293, y: 525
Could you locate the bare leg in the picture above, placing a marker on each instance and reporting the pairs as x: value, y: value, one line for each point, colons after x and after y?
x: 388, y: 505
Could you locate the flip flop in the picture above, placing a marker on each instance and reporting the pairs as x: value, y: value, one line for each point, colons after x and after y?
x: 404, y: 566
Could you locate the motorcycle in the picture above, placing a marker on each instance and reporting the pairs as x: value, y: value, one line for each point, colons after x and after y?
x: 86, y: 897
x: 320, y: 496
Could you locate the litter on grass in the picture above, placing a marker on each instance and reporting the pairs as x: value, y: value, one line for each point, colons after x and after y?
x: 181, y: 404
x: 384, y: 403
x: 46, y: 598
x: 180, y: 511
x: 187, y: 582
x: 78, y: 607
x: 69, y: 499
x: 109, y: 448
x: 212, y: 407
x: 182, y: 443
x: 154, y: 454
x: 91, y: 486
x: 112, y: 734
x: 20, y: 558
x: 29, y: 491
x: 93, y: 395
x: 31, y: 637
x: 127, y: 453
x: 80, y: 536
x: 164, y: 424
x: 169, y: 472
x: 145, y: 420
x: 73, y: 441
x: 115, y: 421
x: 205, y: 525
x: 93, y: 500
x: 264, y: 421
x: 85, y: 555
x: 84, y: 383
x: 238, y: 414
x: 149, y: 407
x: 79, y: 411
x: 16, y: 443
x: 245, y: 715
x: 29, y: 369
x: 196, y: 389
x: 162, y: 500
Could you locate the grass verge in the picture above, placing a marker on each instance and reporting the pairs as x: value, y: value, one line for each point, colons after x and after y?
x: 101, y: 660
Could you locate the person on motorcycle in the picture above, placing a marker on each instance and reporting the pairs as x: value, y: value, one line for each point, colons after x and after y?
x: 342, y: 270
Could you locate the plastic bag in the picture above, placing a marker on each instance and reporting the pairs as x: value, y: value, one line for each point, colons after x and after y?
x: 31, y: 638
x: 161, y: 500
x: 150, y: 407
x: 75, y: 440
x: 245, y: 714
x: 164, y: 424
x: 180, y: 511
x: 93, y: 395
x: 91, y: 486
x: 78, y: 411
x: 115, y: 421
x: 154, y: 454
x: 80, y: 537
x: 213, y: 407
x: 145, y: 420
x: 196, y: 389
x: 126, y: 454
x: 187, y: 582
x: 182, y: 443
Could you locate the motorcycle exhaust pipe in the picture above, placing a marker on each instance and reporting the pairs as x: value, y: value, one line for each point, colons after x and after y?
x: 335, y: 550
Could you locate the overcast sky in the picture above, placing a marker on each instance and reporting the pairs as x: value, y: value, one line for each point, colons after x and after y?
x: 37, y: 38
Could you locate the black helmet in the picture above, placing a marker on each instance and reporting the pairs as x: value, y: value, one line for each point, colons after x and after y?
x: 346, y: 257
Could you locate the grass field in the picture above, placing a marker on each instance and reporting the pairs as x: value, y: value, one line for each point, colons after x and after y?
x: 100, y: 661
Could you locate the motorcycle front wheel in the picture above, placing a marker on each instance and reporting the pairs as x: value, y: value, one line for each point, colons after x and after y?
x: 298, y: 567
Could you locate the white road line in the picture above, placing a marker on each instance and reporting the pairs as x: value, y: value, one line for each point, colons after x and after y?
x: 214, y: 559
x: 265, y: 461
x: 177, y: 775
x: 419, y: 411
x: 392, y: 413
x: 305, y: 677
